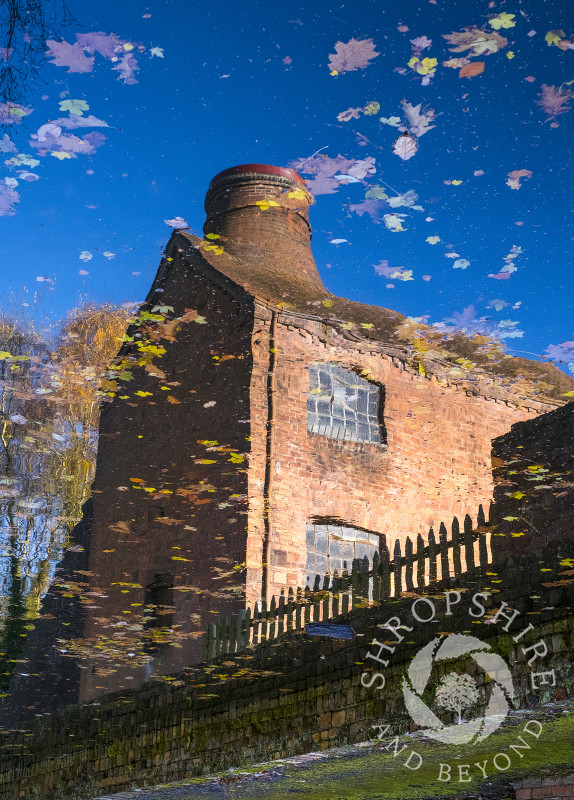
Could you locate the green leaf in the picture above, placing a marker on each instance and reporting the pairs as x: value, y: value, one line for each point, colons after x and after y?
x: 74, y: 106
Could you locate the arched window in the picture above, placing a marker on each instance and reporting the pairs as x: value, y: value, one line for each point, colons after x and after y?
x: 343, y: 405
x: 333, y: 548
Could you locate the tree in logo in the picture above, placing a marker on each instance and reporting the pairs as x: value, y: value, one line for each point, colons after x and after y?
x: 460, y: 691
x: 456, y: 693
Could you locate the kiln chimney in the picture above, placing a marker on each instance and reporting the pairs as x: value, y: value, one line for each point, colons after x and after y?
x: 261, y: 213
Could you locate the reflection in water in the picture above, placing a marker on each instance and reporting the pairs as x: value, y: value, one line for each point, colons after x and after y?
x: 219, y: 491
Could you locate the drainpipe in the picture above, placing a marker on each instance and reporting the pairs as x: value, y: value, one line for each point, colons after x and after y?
x: 269, y: 441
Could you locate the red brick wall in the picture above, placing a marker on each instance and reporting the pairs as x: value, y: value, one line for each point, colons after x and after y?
x: 185, y: 513
x: 544, y: 788
x: 196, y: 524
x: 437, y: 464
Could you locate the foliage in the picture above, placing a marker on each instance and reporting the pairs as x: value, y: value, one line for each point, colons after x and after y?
x: 49, y: 409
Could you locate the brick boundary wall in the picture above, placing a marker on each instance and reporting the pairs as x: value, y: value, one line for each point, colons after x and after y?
x: 209, y: 719
x: 545, y: 788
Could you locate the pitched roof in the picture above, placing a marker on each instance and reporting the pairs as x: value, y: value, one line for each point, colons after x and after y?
x: 477, y: 362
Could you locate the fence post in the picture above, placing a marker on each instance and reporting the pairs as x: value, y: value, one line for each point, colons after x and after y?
x: 409, y: 565
x: 355, y: 583
x: 456, y: 565
x: 298, y: 608
x: 316, y: 599
x: 307, y: 610
x: 290, y: 609
x: 376, y: 578
x: 335, y: 593
x: 272, y: 618
x: 281, y: 614
x: 482, y: 549
x: 443, y: 544
x: 264, y: 622
x: 420, y: 561
x: 232, y: 627
x: 327, y: 596
x: 385, y: 574
x: 246, y: 628
x: 209, y: 642
x: 468, y: 544
x: 432, y: 556
x: 480, y: 519
x: 398, y: 569
x: 345, y: 583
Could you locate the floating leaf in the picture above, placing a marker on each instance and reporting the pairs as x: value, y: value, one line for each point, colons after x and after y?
x: 74, y: 106
x: 503, y: 20
x: 405, y: 147
x: 352, y: 55
x: 515, y: 176
x: 472, y: 69
x: 265, y: 204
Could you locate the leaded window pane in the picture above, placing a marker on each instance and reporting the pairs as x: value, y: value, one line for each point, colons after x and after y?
x: 342, y: 405
x: 332, y: 549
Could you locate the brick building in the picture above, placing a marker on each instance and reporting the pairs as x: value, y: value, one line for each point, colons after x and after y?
x: 262, y: 429
x: 281, y: 431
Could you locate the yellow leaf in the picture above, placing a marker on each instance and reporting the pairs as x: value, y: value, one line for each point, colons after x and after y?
x: 367, y: 325
x: 518, y: 495
x: 265, y: 204
x: 205, y: 461
x: 212, y: 236
x: 554, y: 38
x: 334, y: 72
x: 427, y: 66
x: 503, y: 20
x: 327, y: 303
x: 143, y: 394
x: 510, y: 54
x: 568, y: 394
x: 372, y: 108
x: 128, y: 46
x: 60, y: 154
x: 456, y: 183
x: 433, y: 239
x: 297, y: 194
x: 179, y: 558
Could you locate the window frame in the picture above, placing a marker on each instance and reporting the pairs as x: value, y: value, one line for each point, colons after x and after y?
x: 337, y: 532
x: 371, y: 419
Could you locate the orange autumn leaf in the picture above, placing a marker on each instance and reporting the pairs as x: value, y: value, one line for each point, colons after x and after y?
x: 472, y: 69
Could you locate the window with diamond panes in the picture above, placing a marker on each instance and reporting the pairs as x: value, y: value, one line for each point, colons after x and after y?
x: 342, y: 405
x: 332, y: 548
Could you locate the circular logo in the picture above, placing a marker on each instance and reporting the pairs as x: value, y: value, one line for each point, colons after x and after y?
x: 458, y: 692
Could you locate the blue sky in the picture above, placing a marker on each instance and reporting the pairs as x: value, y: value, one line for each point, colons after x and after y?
x: 251, y: 82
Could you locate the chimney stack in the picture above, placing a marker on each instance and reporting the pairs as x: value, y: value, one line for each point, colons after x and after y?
x: 261, y: 213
